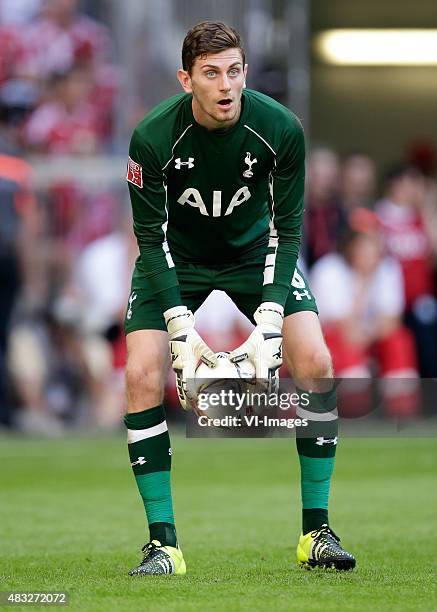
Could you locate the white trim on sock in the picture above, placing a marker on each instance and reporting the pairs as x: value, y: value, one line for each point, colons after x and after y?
x: 135, y: 435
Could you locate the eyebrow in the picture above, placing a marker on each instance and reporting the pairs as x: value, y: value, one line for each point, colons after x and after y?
x: 218, y: 67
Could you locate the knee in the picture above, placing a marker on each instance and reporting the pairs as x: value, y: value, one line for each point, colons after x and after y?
x: 315, y: 364
x: 144, y: 379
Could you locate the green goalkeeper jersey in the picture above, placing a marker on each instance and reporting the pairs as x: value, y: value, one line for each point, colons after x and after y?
x: 217, y: 197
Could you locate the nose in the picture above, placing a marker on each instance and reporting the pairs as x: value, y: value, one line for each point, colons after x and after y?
x: 224, y: 84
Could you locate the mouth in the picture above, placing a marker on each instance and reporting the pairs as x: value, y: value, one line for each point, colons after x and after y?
x: 225, y: 103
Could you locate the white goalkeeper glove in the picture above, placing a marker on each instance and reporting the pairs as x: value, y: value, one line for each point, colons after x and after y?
x: 264, y: 345
x: 186, y: 349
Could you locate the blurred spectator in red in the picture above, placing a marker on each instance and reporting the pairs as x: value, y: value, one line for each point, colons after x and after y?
x: 9, y: 45
x: 422, y: 154
x: 60, y: 37
x: 64, y: 56
x: 324, y: 216
x: 357, y: 181
x: 66, y: 123
x: 360, y: 297
x: 401, y: 213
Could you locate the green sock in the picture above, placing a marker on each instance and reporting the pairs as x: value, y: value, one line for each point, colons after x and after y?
x: 316, y: 457
x: 150, y: 455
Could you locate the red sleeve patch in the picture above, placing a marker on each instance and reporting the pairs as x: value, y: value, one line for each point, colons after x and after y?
x: 134, y: 173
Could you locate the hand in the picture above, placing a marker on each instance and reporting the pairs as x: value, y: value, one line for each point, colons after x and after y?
x: 186, y: 349
x: 264, y: 345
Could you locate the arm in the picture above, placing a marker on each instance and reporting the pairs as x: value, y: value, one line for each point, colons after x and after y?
x: 286, y: 198
x: 149, y: 207
x: 287, y: 181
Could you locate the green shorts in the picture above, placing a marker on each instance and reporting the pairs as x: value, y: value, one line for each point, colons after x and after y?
x: 242, y: 282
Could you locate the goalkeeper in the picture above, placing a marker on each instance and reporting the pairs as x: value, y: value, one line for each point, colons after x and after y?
x: 216, y: 179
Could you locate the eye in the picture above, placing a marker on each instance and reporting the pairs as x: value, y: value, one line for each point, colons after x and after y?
x: 210, y: 73
x: 234, y: 72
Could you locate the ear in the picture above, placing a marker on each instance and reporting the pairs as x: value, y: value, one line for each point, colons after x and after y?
x: 185, y: 80
x: 246, y: 66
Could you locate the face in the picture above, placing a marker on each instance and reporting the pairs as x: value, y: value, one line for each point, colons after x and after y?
x: 216, y: 82
x: 322, y: 175
x: 77, y: 87
x: 62, y: 10
x: 414, y: 190
x: 358, y: 176
x: 365, y: 253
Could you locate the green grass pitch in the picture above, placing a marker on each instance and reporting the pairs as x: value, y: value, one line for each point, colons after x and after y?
x: 71, y: 520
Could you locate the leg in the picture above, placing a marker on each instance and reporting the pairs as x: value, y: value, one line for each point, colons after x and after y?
x: 305, y: 352
x: 309, y: 363
x: 148, y: 438
x: 146, y: 368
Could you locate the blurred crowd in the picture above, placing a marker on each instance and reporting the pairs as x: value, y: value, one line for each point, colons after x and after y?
x: 57, y: 76
x: 369, y: 245
x: 371, y: 261
x: 61, y: 346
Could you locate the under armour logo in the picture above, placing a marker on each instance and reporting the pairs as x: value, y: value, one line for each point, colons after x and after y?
x: 132, y: 299
x: 139, y: 461
x: 178, y: 163
x: 248, y: 173
x: 321, y: 441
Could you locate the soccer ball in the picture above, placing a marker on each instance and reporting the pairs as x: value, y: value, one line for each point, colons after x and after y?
x: 225, y: 371
x: 227, y: 377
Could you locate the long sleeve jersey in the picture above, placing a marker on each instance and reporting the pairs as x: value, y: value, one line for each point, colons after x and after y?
x: 217, y: 196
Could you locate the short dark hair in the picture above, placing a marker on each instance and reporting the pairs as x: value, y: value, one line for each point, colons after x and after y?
x: 209, y: 37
